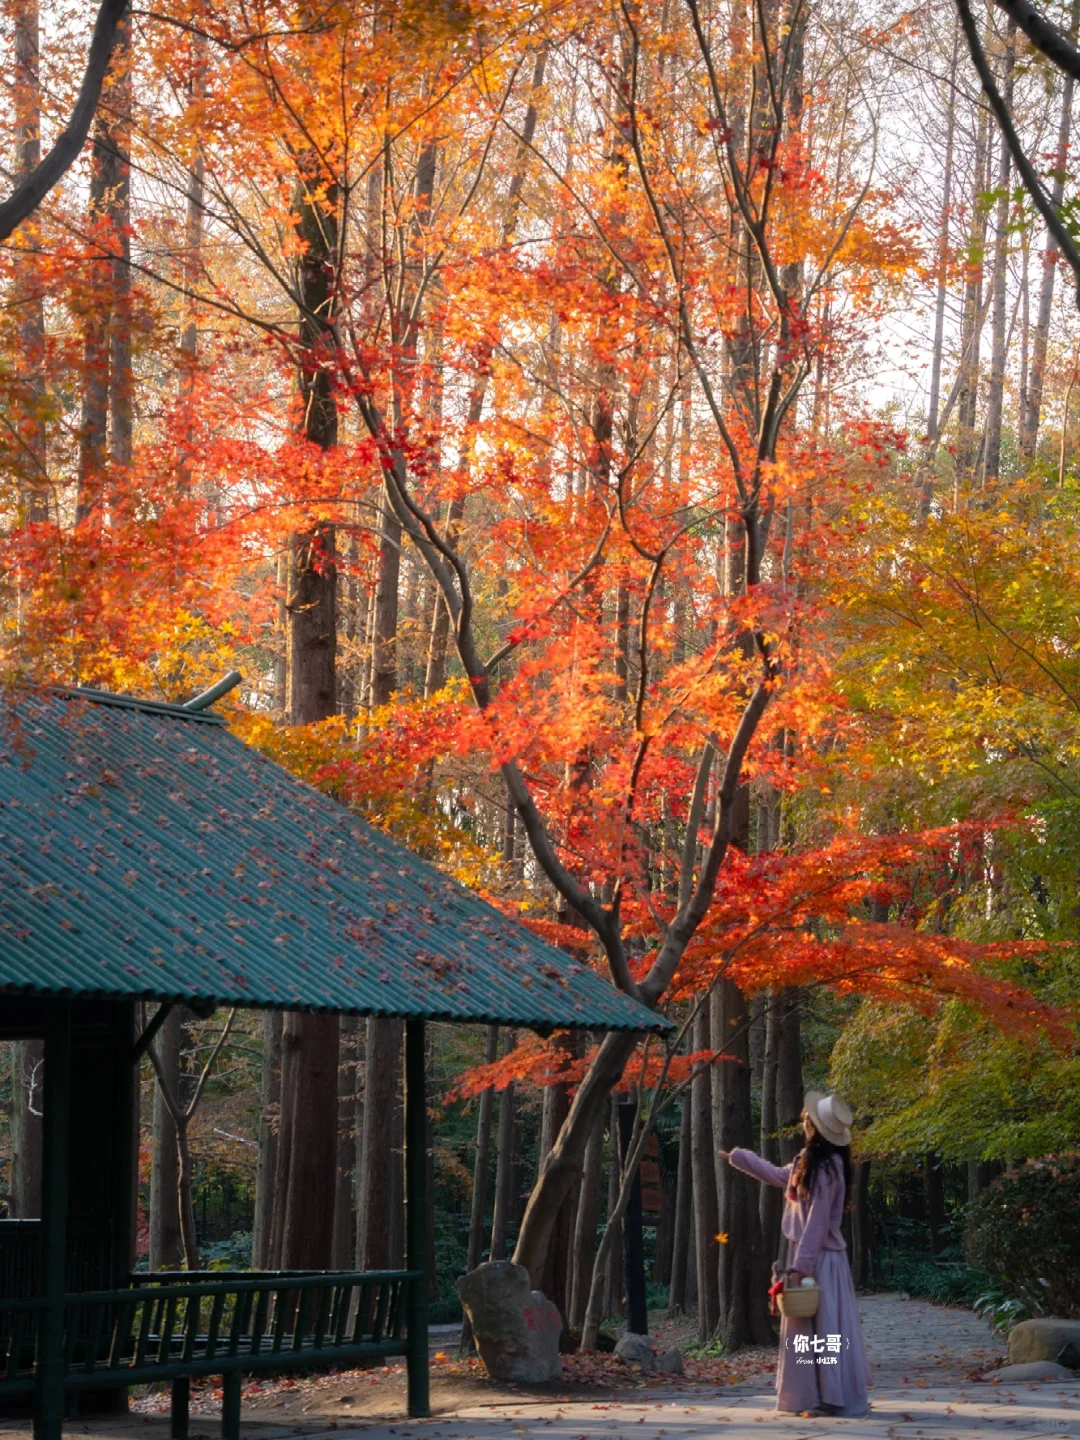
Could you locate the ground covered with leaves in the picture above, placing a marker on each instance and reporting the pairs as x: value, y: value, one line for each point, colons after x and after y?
x: 459, y: 1381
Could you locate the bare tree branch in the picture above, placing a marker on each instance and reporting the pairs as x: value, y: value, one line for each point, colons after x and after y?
x: 1032, y: 184
x: 1045, y: 37
x: 25, y: 198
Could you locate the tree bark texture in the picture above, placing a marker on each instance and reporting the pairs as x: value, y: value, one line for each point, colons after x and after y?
x: 789, y: 1076
x: 504, y: 1165
x: 26, y: 1132
x: 374, y: 1178
x: 770, y: 1199
x: 703, y: 1163
x: 555, y: 1274
x: 309, y: 1107
x: 1031, y: 411
x: 344, y: 1239
x: 27, y: 280
x: 972, y: 313
x: 613, y: 1279
x: 262, y: 1255
x: 563, y: 1165
x: 743, y: 1263
x: 481, y: 1165
x: 108, y: 196
x: 995, y: 390
x: 683, y: 1220
x: 861, y: 1225
x: 585, y: 1223
x: 164, y: 1162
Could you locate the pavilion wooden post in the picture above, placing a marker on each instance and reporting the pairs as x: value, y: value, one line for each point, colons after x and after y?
x: 416, y: 1236
x: 49, y: 1406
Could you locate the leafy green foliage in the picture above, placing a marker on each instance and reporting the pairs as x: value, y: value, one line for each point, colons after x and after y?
x: 1025, y: 1231
x: 1002, y: 1310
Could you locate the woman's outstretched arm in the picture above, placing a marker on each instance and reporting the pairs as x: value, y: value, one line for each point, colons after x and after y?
x: 760, y: 1169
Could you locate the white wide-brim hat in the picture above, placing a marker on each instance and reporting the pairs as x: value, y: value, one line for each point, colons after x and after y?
x: 831, y: 1116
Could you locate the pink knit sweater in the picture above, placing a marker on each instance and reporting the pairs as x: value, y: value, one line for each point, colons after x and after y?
x: 810, y: 1225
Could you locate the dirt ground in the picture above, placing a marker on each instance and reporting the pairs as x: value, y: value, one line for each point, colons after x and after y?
x: 459, y: 1383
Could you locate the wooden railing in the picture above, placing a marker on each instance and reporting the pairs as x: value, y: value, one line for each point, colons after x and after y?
x: 170, y: 1326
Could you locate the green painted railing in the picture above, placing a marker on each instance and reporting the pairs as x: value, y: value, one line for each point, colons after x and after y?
x: 170, y: 1326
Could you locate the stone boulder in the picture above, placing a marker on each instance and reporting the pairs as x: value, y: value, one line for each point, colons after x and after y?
x: 1033, y: 1370
x: 1045, y: 1339
x: 517, y: 1328
x: 671, y: 1361
x: 635, y: 1350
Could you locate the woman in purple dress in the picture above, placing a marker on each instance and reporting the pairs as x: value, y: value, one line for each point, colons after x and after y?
x: 823, y: 1367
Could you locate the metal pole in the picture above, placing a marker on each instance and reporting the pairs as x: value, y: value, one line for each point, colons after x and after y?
x: 49, y: 1406
x: 416, y: 1217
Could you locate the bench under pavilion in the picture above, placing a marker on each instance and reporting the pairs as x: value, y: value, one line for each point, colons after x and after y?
x: 148, y: 855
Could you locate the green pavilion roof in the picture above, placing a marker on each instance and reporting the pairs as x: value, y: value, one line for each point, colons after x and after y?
x: 147, y: 852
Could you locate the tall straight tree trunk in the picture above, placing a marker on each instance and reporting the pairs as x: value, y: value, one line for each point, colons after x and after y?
x: 995, y: 390
x: 26, y: 1128
x: 164, y: 1162
x: 121, y: 381
x: 972, y: 312
x: 481, y: 1165
x: 684, y: 1218
x: 861, y: 1233
x: 27, y: 279
x: 194, y: 218
x: 1032, y: 411
x: 397, y: 1170
x: 384, y: 678
x: 106, y: 320
x: 311, y: 598
x: 504, y: 1166
x: 933, y: 409
x: 789, y: 1076
x: 556, y: 1273
x: 771, y: 1199
x: 743, y: 1265
x: 263, y: 1257
x: 703, y: 1163
x: 309, y: 1108
x: 614, y: 1285
x: 374, y: 1175
x: 344, y: 1239
x: 588, y: 1215
x: 310, y: 1042
x: 941, y: 288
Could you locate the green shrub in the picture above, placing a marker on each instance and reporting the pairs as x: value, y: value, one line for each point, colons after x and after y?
x: 231, y: 1254
x: 1024, y: 1230
x: 942, y: 1281
x: 1001, y: 1310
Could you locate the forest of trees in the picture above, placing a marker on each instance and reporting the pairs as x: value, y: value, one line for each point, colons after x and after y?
x: 631, y: 452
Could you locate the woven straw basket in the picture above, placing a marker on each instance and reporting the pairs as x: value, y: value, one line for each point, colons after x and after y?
x: 798, y: 1304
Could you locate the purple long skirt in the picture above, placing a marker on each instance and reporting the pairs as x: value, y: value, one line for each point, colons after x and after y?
x: 823, y: 1360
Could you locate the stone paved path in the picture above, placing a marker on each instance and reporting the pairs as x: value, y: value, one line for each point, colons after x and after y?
x: 923, y: 1356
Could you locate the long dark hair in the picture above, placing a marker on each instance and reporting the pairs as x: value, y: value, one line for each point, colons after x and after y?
x: 809, y: 1161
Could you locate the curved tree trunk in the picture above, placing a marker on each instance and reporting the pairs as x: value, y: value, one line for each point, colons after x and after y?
x: 566, y: 1159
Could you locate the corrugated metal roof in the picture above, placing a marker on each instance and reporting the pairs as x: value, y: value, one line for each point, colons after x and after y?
x: 146, y: 851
